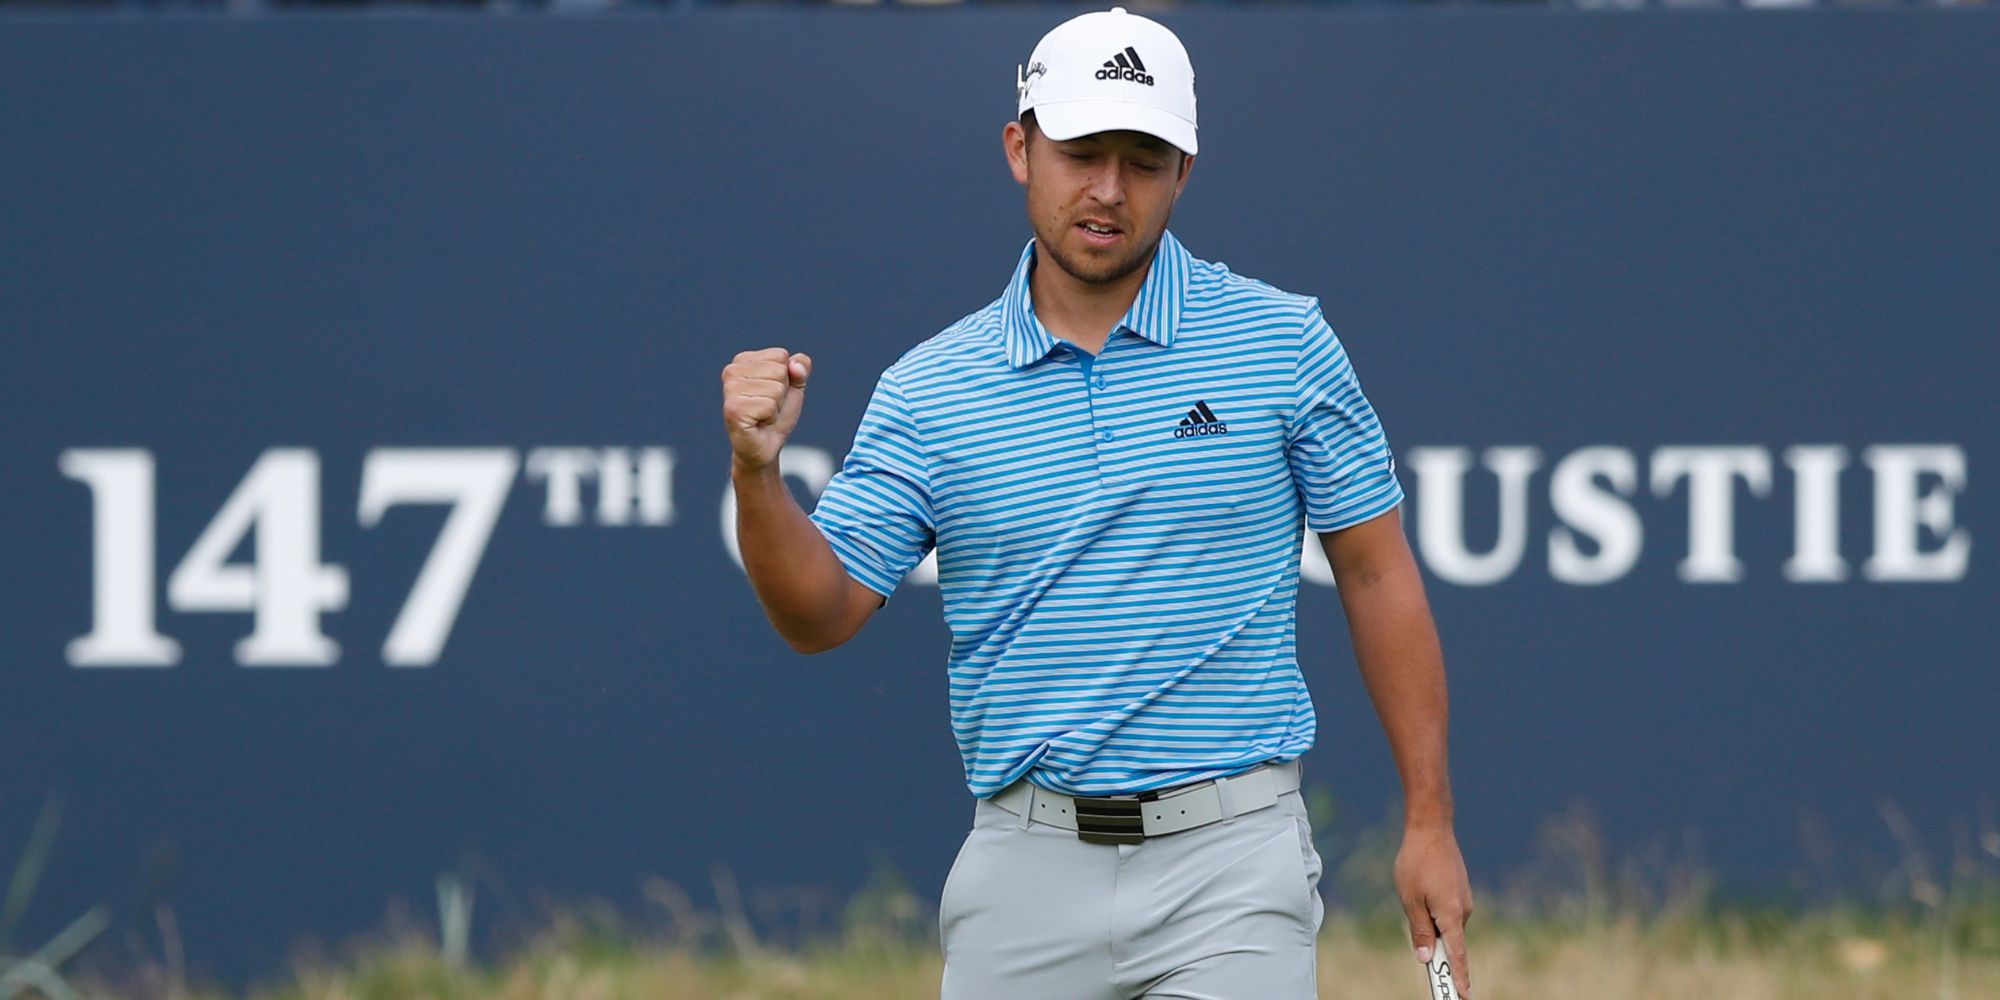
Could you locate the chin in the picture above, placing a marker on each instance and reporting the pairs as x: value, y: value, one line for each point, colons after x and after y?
x: 1099, y: 267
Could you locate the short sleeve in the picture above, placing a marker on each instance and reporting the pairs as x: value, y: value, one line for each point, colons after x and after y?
x: 1338, y: 454
x: 876, y: 511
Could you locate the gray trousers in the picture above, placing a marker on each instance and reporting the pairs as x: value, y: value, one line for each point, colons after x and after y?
x: 1228, y: 911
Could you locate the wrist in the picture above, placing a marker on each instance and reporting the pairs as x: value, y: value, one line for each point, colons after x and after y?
x: 1429, y: 814
x: 742, y: 469
x: 1429, y: 827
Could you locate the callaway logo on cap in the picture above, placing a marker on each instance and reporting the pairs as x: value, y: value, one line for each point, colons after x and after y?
x: 1106, y: 71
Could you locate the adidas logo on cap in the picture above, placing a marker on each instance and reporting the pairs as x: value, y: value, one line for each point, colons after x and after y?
x: 1126, y: 65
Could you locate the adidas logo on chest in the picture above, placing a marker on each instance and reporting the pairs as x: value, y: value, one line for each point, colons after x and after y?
x: 1200, y: 422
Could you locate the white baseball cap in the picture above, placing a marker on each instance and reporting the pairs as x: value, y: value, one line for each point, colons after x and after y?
x: 1110, y: 70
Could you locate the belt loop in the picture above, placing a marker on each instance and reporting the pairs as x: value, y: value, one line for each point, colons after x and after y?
x: 1028, y: 805
x: 1224, y: 799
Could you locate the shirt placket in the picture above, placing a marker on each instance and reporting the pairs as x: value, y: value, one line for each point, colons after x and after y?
x: 1097, y: 380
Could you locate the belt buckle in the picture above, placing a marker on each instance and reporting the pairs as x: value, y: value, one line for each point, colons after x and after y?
x: 1109, y: 821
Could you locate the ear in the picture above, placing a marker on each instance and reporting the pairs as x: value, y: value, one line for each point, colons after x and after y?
x: 1014, y: 138
x: 1187, y: 167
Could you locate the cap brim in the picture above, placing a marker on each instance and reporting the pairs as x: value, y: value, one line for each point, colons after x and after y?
x: 1070, y: 119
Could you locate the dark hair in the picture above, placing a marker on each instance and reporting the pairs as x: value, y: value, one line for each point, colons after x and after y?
x: 1028, y: 122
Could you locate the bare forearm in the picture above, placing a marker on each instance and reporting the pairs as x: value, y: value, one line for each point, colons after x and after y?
x: 792, y: 569
x: 1402, y: 666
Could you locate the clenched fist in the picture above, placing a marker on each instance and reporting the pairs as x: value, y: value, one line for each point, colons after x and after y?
x: 762, y: 392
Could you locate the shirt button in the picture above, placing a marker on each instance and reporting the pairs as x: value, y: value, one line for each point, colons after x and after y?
x: 1104, y: 435
x: 1100, y: 381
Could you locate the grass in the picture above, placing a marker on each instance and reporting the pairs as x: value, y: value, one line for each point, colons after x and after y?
x: 1571, y: 924
x: 1741, y: 956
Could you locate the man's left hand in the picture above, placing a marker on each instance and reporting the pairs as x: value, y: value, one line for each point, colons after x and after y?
x: 1437, y: 897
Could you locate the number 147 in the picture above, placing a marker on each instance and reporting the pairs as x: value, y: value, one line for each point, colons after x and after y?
x: 284, y: 586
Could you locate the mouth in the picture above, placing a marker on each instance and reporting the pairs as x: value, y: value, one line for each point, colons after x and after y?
x: 1099, y: 233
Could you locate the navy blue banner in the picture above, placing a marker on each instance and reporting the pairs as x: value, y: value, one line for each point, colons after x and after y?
x: 364, y: 485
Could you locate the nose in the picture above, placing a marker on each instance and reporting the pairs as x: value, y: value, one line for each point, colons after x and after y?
x: 1107, y: 181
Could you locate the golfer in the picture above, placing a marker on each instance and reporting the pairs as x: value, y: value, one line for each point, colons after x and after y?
x: 1115, y: 461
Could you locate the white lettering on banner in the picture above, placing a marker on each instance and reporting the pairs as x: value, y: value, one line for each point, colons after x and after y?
x: 1602, y: 515
x: 628, y: 491
x: 1816, y: 514
x: 285, y: 586
x: 646, y: 488
x: 1916, y: 530
x: 121, y: 546
x: 1711, y: 474
x: 1313, y: 566
x: 564, y: 469
x: 475, y: 482
x: 1902, y: 507
x: 1594, y: 493
x: 1441, y: 515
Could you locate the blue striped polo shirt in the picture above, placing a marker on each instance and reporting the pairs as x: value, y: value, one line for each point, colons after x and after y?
x: 1118, y: 537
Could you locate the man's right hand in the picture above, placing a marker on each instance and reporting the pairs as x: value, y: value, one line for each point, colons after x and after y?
x: 762, y: 392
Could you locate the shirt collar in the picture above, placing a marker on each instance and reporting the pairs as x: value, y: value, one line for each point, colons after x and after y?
x: 1155, y: 312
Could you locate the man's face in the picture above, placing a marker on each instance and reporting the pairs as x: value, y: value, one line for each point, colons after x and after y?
x: 1099, y: 202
